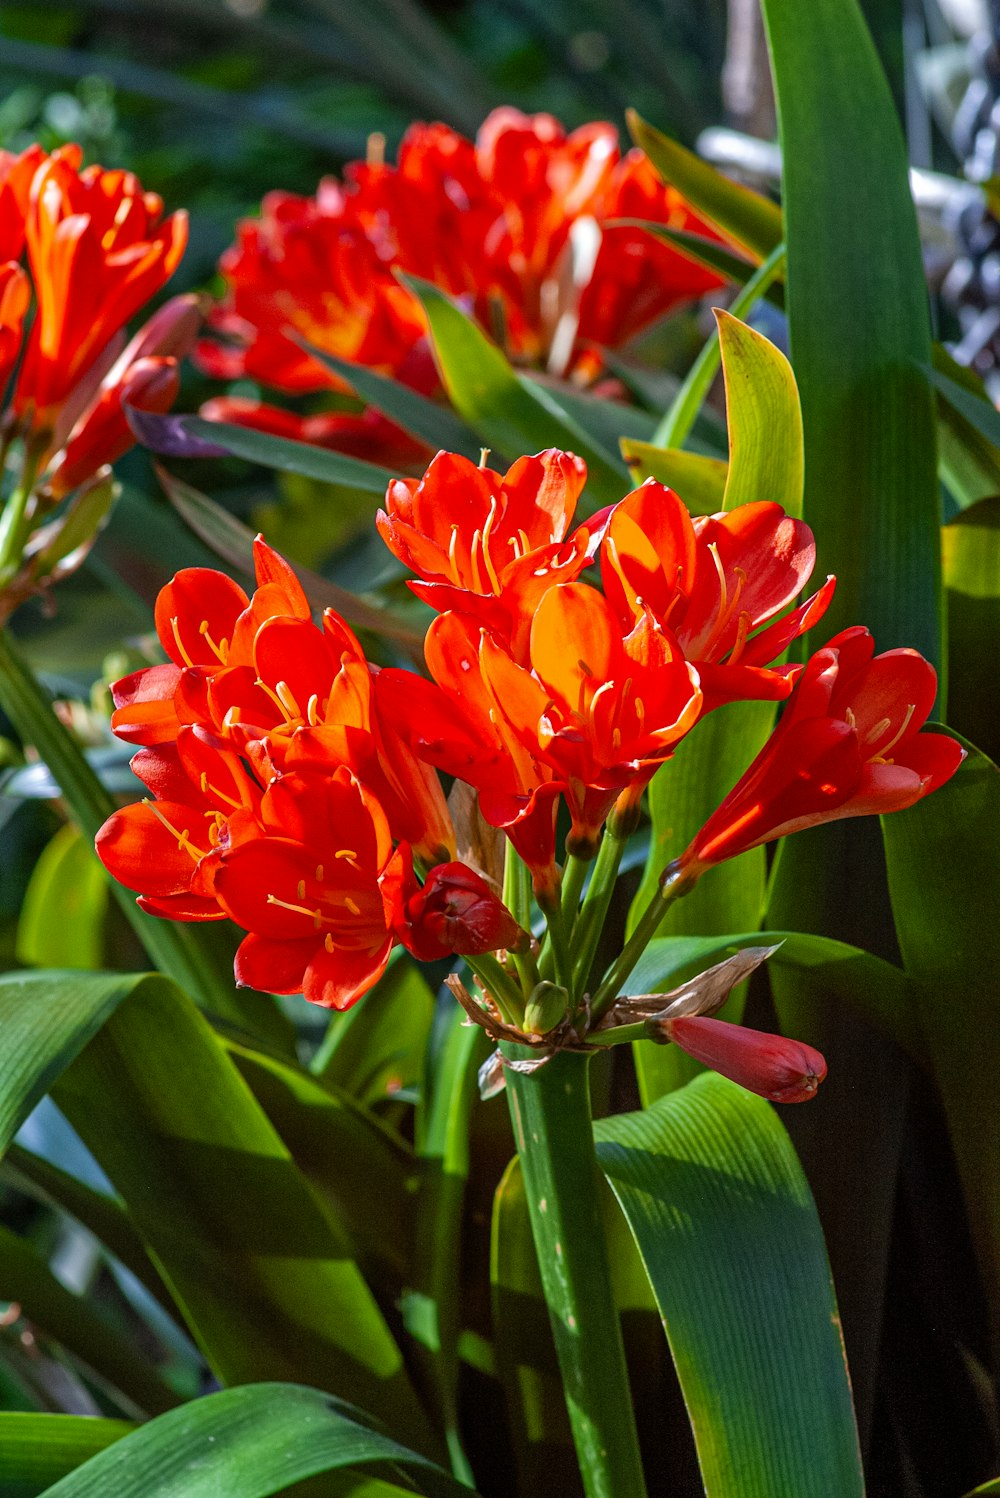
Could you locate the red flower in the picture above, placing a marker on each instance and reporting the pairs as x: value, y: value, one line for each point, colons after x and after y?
x: 456, y: 911
x: 15, y: 299
x: 785, y: 1071
x: 98, y: 248
x: 713, y: 581
x: 486, y: 545
x: 848, y: 745
x: 320, y: 894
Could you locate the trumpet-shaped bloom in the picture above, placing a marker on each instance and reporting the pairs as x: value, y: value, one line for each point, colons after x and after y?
x: 320, y: 894
x: 713, y: 581
x: 515, y: 225
x: 486, y: 545
x: 848, y: 745
x: 98, y: 249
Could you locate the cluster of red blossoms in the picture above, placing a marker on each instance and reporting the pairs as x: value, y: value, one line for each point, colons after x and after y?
x: 291, y: 783
x: 97, y: 248
x: 522, y: 226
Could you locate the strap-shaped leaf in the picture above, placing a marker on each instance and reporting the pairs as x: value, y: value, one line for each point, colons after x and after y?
x: 36, y: 1450
x: 512, y: 414
x: 62, y: 918
x: 252, y: 1441
x: 701, y: 480
x: 971, y: 555
x: 766, y: 456
x: 259, y: 1267
x: 726, y: 1226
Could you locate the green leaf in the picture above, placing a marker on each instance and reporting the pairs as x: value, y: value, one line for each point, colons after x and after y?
x: 725, y: 1224
x: 288, y: 456
x: 968, y: 455
x: 432, y: 422
x: 980, y: 413
x: 751, y: 220
x: 707, y: 252
x: 62, y: 918
x: 70, y: 1320
x: 233, y: 541
x: 700, y: 481
x: 871, y: 491
x: 971, y: 560
x: 254, y: 1441
x: 512, y: 414
x: 255, y: 1261
x: 36, y: 1450
x: 765, y: 419
x: 945, y: 887
x: 46, y: 1020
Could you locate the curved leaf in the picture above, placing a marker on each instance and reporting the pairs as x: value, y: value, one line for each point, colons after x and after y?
x: 62, y: 918
x: 971, y: 559
x: 752, y: 220
x: 214, y: 1193
x: 253, y: 1441
x: 36, y: 1450
x: 725, y: 1224
x: 766, y: 458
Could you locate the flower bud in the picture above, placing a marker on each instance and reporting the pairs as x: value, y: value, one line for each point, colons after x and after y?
x: 775, y: 1067
x: 547, y: 1006
x: 456, y: 911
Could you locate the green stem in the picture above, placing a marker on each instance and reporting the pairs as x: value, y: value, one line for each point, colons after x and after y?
x: 517, y: 898
x: 558, y: 942
x: 506, y: 994
x: 14, y: 528
x: 667, y: 892
x: 174, y: 949
x: 688, y: 401
x: 590, y: 921
x: 550, y: 1112
x: 573, y: 879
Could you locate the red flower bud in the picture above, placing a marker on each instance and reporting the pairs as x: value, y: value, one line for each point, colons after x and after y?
x: 783, y: 1070
x: 456, y: 911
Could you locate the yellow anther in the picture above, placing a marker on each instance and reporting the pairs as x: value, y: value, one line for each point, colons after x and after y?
x: 319, y: 873
x: 328, y: 942
x: 301, y: 889
x: 221, y: 650
x: 179, y: 642
x: 316, y: 916
x: 286, y: 697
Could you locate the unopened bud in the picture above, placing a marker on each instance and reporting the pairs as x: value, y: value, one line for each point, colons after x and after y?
x: 775, y: 1067
x: 546, y: 1008
x: 456, y: 911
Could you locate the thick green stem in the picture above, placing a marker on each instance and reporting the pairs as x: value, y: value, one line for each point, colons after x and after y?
x: 574, y: 877
x: 550, y: 1112
x: 669, y: 890
x: 590, y: 921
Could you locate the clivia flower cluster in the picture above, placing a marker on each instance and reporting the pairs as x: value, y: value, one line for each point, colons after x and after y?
x: 81, y: 252
x: 293, y: 786
x: 524, y: 226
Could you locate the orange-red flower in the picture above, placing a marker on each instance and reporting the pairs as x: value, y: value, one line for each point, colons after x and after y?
x: 98, y: 249
x: 457, y: 911
x: 319, y: 894
x: 848, y: 745
x: 514, y: 225
x: 775, y: 1067
x: 488, y: 545
x: 713, y: 581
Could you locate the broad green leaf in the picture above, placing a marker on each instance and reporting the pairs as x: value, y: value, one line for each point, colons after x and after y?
x: 708, y: 252
x: 46, y: 1020
x: 860, y: 343
x: 36, y: 1450
x: 971, y: 561
x: 945, y: 886
x: 745, y: 216
x: 69, y: 1319
x: 509, y: 412
x: 220, y: 1204
x: 233, y: 541
x: 765, y: 419
x: 359, y: 1166
x: 62, y: 918
x: 986, y: 1490
x: 252, y: 1442
x: 724, y: 1221
x: 980, y: 413
x: 700, y: 481
x: 432, y: 422
x: 288, y: 456
x: 871, y: 491
x: 376, y: 1048
x: 968, y: 451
